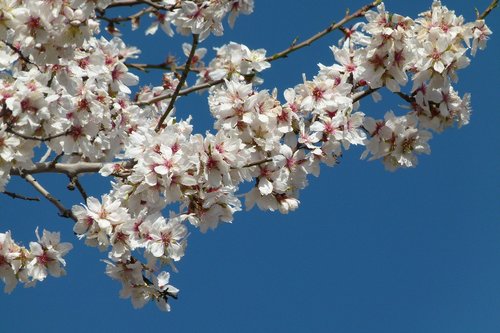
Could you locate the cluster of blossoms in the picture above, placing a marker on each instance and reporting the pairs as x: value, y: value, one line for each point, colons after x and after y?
x: 75, y: 102
x: 108, y: 224
x: 431, y: 49
x: 47, y: 30
x: 44, y: 257
x: 200, y: 17
x: 235, y: 62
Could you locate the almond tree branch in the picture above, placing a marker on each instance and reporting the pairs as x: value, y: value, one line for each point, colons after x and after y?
x: 63, y: 211
x: 143, y: 2
x: 153, y: 4
x: 282, y: 54
x: 19, y: 196
x: 362, y: 94
x: 20, y: 54
x: 72, y: 169
x: 488, y: 10
x: 152, y: 7
x: 125, y: 18
x: 294, y: 47
x: 183, y: 92
x: 162, y: 66
x: 74, y: 182
x: 182, y: 80
x: 257, y: 163
x: 36, y: 138
x: 407, y: 98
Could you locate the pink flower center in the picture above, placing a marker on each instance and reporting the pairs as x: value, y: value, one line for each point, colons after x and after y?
x: 83, y: 63
x: 220, y: 147
x: 175, y: 148
x: 166, y: 238
x: 103, y: 214
x: 436, y: 55
x: 351, y: 68
x: 44, y: 259
x: 76, y: 132
x: 211, y: 163
x: 317, y: 93
x: 33, y: 23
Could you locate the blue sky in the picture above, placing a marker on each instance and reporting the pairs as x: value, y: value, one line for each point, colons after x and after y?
x: 413, y: 251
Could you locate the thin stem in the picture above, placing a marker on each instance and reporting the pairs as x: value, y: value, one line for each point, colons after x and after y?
x: 63, y: 211
x: 162, y: 66
x: 182, y: 80
x: 183, y: 92
x: 36, y: 138
x: 75, y: 183
x: 258, y: 163
x: 282, y: 54
x: 142, y: 2
x: 488, y: 10
x: 126, y: 18
x: 407, y: 98
x: 294, y: 47
x: 19, y: 196
x: 360, y: 95
x: 20, y: 54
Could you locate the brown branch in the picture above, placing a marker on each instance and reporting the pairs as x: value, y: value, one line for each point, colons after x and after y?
x: 407, y: 98
x: 63, y: 211
x: 19, y: 196
x: 20, y: 54
x: 362, y: 94
x: 143, y: 2
x: 294, y: 47
x: 162, y: 66
x: 120, y: 19
x: 74, y: 182
x: 124, y: 4
x: 182, y: 80
x: 71, y: 169
x: 183, y: 92
x: 152, y: 4
x: 282, y: 54
x: 152, y: 7
x: 258, y: 163
x: 36, y: 138
x: 488, y: 10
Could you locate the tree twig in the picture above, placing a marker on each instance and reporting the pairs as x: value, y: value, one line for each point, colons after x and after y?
x: 63, y: 211
x: 362, y: 94
x: 183, y: 92
x: 20, y: 54
x: 120, y: 19
x: 407, y: 98
x: 20, y: 196
x: 74, y: 182
x: 182, y: 80
x: 258, y: 163
x: 143, y: 2
x: 294, y: 47
x: 488, y: 10
x: 163, y: 66
x: 36, y: 138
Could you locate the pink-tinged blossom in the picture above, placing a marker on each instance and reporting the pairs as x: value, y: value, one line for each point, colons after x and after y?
x: 46, y: 256
x: 167, y: 238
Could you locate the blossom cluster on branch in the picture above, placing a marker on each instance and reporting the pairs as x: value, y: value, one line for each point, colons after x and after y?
x: 44, y: 257
x: 64, y: 89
